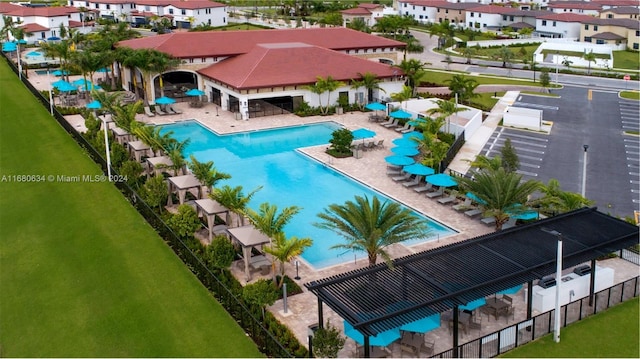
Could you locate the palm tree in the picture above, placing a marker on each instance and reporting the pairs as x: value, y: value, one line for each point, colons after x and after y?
x: 125, y: 114
x: 88, y: 62
x: 60, y: 50
x: 206, y: 173
x: 463, y: 86
x: 322, y: 85
x: 555, y: 200
x: 444, y: 31
x: 370, y: 82
x: 483, y: 162
x: 468, y: 53
x: 446, y: 109
x: 284, y: 249
x: 234, y: 199
x: 590, y: 57
x: 501, y: 192
x: 371, y: 226
x: 404, y: 95
x: 506, y: 55
x: 414, y: 70
x: 268, y: 221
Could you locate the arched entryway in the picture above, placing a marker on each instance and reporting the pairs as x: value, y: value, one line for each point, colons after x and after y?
x: 175, y: 84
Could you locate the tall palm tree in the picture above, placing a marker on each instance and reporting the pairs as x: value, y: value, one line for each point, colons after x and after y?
x: 160, y: 62
x: 463, y: 86
x: 371, y: 226
x: 206, y: 173
x: 590, y: 57
x: 268, y: 221
x: 444, y: 31
x: 502, y: 192
x: 125, y: 114
x: 370, y: 82
x: 446, y: 109
x: 234, y: 199
x: 555, y: 200
x: 60, y: 50
x: 402, y: 96
x: 484, y: 162
x: 322, y: 85
x: 285, y: 249
x: 414, y: 70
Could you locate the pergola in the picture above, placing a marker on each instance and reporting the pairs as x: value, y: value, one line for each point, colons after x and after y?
x: 377, y: 299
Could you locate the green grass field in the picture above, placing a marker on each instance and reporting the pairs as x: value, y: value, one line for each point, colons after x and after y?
x: 611, y: 334
x: 81, y: 272
x: 626, y: 60
x: 440, y: 77
x: 630, y: 95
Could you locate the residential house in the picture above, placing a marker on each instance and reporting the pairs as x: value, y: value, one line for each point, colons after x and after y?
x: 619, y: 33
x: 575, y: 7
x: 243, y: 70
x: 42, y: 23
x: 488, y: 17
x: 565, y: 25
x: 624, y: 12
x: 365, y: 12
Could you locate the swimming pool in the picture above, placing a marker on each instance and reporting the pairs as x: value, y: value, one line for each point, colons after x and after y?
x: 269, y: 158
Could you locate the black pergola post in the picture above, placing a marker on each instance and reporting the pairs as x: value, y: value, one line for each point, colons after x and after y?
x: 455, y: 331
x: 592, y: 282
x: 320, y: 316
x: 367, y: 349
x: 529, y: 298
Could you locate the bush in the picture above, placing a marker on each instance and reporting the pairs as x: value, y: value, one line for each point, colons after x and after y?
x: 220, y: 253
x: 185, y: 222
x: 341, y: 143
x: 132, y: 170
x: 327, y: 342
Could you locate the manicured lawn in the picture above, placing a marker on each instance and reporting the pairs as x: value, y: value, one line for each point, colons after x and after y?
x: 440, y: 77
x: 81, y: 273
x: 631, y: 95
x: 626, y: 60
x: 611, y: 334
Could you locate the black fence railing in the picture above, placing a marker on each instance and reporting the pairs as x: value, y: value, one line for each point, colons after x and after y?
x: 264, y: 339
x: 452, y: 152
x: 498, y: 342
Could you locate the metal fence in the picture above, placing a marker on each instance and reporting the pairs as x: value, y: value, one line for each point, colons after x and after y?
x: 265, y: 340
x: 498, y: 342
x: 451, y: 153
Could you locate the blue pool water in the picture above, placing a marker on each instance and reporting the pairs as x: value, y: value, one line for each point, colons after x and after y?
x: 269, y: 158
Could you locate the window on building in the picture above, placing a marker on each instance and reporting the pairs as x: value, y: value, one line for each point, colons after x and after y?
x: 171, y: 11
x: 424, y: 8
x: 446, y: 11
x: 471, y: 15
x: 600, y: 42
x: 479, y: 14
x: 147, y: 8
x: 595, y: 27
x: 183, y: 12
x: 96, y: 6
x: 637, y: 32
x: 636, y: 46
x: 553, y: 24
x: 484, y: 25
x: 586, y: 27
x: 544, y: 22
x: 470, y: 24
x: 609, y: 16
x: 421, y: 16
x: 587, y: 39
x: 438, y: 10
x: 504, y: 17
x: 512, y: 18
x: 404, y: 4
x: 413, y: 7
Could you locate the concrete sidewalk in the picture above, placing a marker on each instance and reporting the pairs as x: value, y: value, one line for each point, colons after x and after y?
x: 474, y: 145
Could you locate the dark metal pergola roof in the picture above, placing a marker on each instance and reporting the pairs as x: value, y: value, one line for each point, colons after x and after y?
x: 376, y: 299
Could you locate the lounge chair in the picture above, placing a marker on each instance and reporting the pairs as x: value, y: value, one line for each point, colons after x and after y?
x: 416, y: 181
x: 169, y: 110
x: 473, y: 212
x: 371, y: 145
x: 174, y: 109
x: 405, y: 127
x: 380, y: 144
x: 159, y: 111
x: 449, y: 199
x: 435, y: 194
x: 388, y: 122
x: 148, y: 112
x: 392, y: 172
x: 407, y: 130
x: 402, y: 178
x: 511, y: 222
x: 488, y: 220
x: 463, y: 206
x: 392, y: 124
x: 428, y: 187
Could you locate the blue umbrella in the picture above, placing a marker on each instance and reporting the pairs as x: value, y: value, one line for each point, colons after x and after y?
x: 473, y: 304
x: 518, y: 212
x: 475, y: 198
x: 512, y: 290
x: 165, y: 100
x: 400, y: 114
x: 423, y: 325
x: 441, y: 180
x: 81, y: 82
x: 194, y: 92
x: 60, y: 72
x: 94, y: 105
x: 22, y: 42
x: 53, y: 38
x: 381, y: 340
x: 405, y: 142
x: 66, y: 88
x: 399, y: 160
x: 419, y: 169
x: 417, y: 122
x: 90, y: 87
x: 362, y: 133
x: 34, y: 54
x: 405, y: 151
x: 413, y: 134
x: 61, y: 83
x: 9, y: 46
x: 375, y: 106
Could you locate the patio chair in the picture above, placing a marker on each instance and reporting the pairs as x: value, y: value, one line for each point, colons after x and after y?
x: 380, y: 144
x: 449, y: 199
x: 463, y: 206
x: 392, y: 124
x: 148, y: 112
x: 407, y: 130
x: 508, y: 299
x: 159, y: 111
x: 428, y: 187
x: 511, y: 222
x: 488, y: 220
x: 416, y: 181
x: 435, y: 194
x: 392, y: 172
x: 473, y: 212
x: 429, y: 347
x: 371, y: 145
x: 405, y: 127
x: 388, y: 122
x: 402, y: 178
x: 475, y: 325
x: 411, y: 343
x: 174, y: 109
x: 169, y: 110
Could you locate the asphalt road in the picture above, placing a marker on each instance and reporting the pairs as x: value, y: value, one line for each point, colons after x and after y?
x: 613, y: 178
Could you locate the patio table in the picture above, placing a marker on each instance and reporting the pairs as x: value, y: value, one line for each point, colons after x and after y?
x: 463, y: 318
x: 494, y: 306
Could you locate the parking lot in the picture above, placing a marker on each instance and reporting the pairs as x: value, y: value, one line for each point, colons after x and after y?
x: 613, y: 165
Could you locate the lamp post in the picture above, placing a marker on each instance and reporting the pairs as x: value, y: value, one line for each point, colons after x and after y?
x: 556, y: 325
x: 557, y: 63
x: 584, y: 171
x: 533, y: 66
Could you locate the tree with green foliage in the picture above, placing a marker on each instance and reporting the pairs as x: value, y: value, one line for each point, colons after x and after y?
x: 322, y: 85
x: 590, y: 57
x: 500, y: 192
x: 234, y: 199
x: 402, y: 96
x: 468, y: 53
x: 505, y: 55
x: 154, y: 192
x: 445, y: 31
x: 340, y: 143
x: 482, y: 162
x: 392, y: 25
x: 261, y: 293
x: 446, y: 109
x: 464, y: 87
x: 332, y: 19
x: 284, y: 249
x: 358, y: 24
x: 545, y: 78
x: 220, y: 253
x: 370, y: 82
x: 555, y: 200
x: 206, y: 173
x: 510, y: 160
x: 267, y: 219
x: 327, y: 341
x: 185, y: 222
x: 413, y: 70
x: 124, y: 115
x: 132, y: 171
x: 371, y: 226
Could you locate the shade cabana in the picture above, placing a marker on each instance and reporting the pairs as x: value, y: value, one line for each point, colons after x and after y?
x: 138, y: 148
x: 249, y: 237
x: 182, y: 184
x: 448, y: 277
x: 210, y: 208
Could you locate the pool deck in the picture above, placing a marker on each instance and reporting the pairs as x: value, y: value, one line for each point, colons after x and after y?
x: 370, y: 170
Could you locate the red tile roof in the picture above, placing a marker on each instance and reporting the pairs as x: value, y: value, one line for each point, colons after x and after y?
x: 608, y: 36
x: 566, y: 17
x: 370, y: 6
x: 74, y: 24
x: 581, y: 6
x: 492, y: 9
x: 181, y: 4
x: 230, y: 43
x: 6, y: 7
x: 45, y: 11
x: 33, y: 27
x: 288, y: 64
x: 356, y: 11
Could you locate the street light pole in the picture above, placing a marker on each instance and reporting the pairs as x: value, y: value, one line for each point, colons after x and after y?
x: 556, y: 326
x: 584, y: 172
x: 106, y: 145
